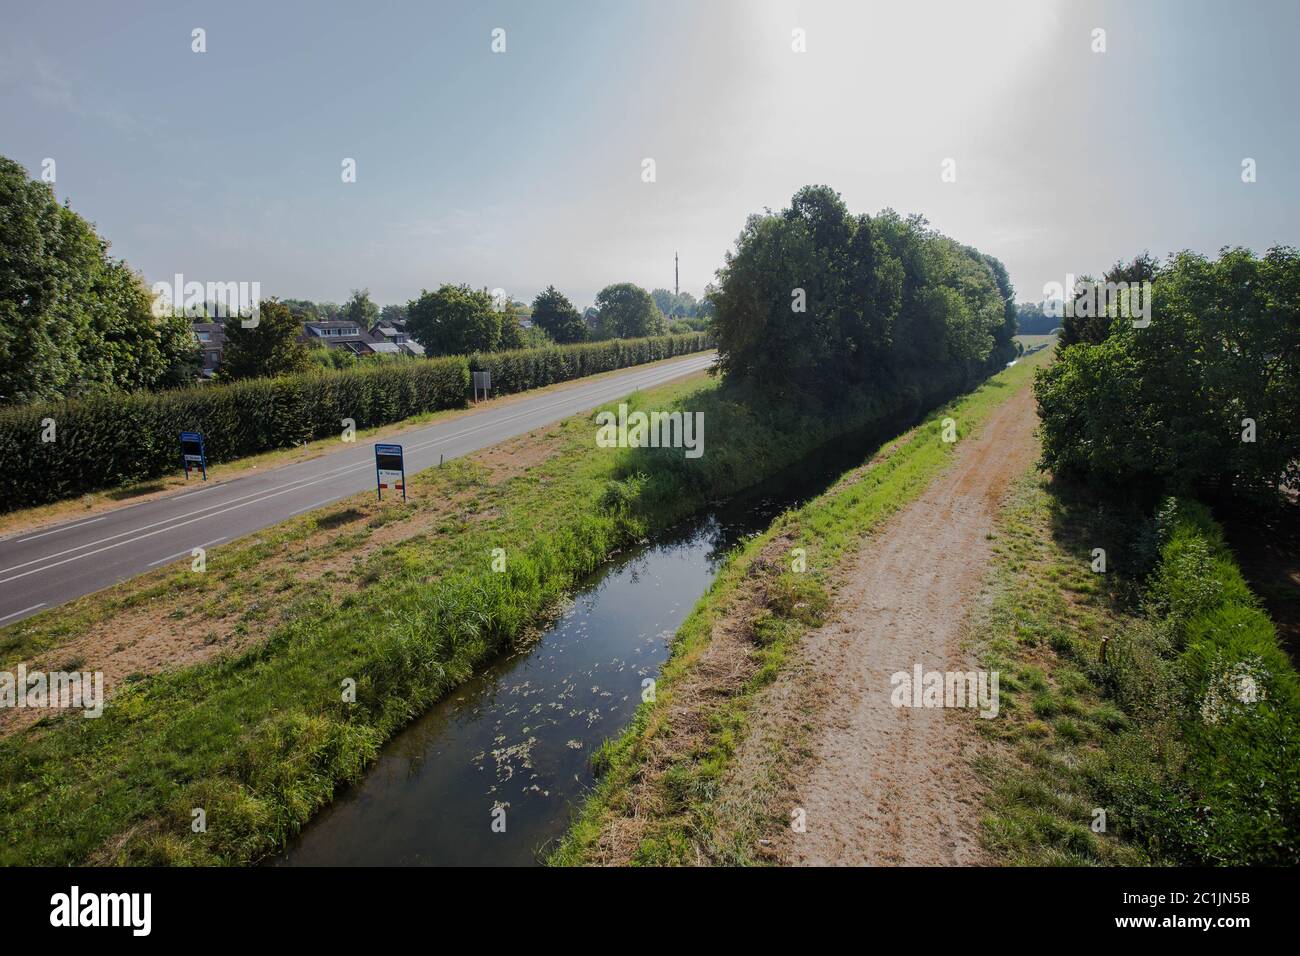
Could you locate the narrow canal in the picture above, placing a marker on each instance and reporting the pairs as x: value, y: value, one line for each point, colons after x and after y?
x: 519, y: 736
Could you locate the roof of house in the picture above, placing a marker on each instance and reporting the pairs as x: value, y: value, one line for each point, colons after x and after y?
x: 332, y: 324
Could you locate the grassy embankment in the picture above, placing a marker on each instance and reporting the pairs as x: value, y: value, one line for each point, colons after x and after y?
x: 680, y: 819
x: 1189, y: 764
x: 399, y: 598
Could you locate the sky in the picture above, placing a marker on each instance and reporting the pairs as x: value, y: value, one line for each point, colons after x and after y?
x: 525, y: 168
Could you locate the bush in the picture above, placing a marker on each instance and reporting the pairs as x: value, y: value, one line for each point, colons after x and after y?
x: 118, y: 438
x: 1213, y: 780
x: 1201, y: 399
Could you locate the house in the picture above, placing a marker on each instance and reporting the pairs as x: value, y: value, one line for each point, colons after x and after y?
x: 394, y: 333
x: 385, y: 338
x: 337, y: 334
x: 212, y: 341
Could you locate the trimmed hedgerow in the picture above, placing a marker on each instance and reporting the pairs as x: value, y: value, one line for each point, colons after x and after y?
x: 522, y: 369
x: 113, y: 439
x: 116, y: 438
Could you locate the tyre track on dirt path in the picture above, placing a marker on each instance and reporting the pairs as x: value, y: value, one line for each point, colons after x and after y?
x: 892, y: 785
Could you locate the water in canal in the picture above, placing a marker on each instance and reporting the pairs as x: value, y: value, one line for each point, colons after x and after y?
x: 518, y: 736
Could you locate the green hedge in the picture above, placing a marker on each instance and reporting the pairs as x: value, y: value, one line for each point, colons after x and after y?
x: 523, y: 369
x: 1215, y: 779
x: 118, y: 438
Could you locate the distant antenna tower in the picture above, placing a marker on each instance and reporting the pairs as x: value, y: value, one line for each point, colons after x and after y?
x: 677, y: 289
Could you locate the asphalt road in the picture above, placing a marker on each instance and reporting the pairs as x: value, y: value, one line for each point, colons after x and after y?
x: 43, y: 568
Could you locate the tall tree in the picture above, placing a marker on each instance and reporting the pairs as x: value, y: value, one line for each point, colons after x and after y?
x: 513, y: 333
x: 1201, y: 399
x: 1092, y: 315
x: 556, y: 315
x: 627, y: 311
x: 454, y: 320
x: 360, y: 309
x: 73, y: 319
x: 303, y: 309
x: 271, y: 347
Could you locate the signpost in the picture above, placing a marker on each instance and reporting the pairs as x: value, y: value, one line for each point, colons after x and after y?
x: 192, y: 453
x: 390, y: 469
x: 483, y: 380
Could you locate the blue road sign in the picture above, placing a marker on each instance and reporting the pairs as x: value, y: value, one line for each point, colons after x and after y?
x: 390, y: 469
x: 193, y: 453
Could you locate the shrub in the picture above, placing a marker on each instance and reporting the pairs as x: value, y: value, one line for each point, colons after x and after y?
x: 1211, y: 776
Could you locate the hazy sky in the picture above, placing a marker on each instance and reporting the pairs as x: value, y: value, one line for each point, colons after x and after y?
x: 524, y: 168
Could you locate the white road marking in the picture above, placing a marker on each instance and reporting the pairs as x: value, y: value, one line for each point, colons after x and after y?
x: 23, y: 611
x: 173, y: 557
x: 231, y: 501
x: 66, y: 527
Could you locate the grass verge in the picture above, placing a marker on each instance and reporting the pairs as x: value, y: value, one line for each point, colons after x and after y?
x: 1150, y: 715
x: 1041, y: 623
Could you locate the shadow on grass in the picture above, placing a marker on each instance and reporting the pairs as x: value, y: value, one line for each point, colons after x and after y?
x: 1084, y: 520
x: 123, y: 494
x: 748, y: 441
x: 1265, y: 536
x: 346, y: 516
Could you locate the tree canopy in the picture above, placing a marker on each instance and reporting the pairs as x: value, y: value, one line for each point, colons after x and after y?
x: 816, y: 300
x: 454, y: 320
x: 1091, y: 324
x: 556, y: 315
x: 393, y: 313
x: 271, y: 347
x: 679, y: 305
x: 626, y: 311
x: 360, y: 309
x: 74, y: 320
x: 1202, y: 397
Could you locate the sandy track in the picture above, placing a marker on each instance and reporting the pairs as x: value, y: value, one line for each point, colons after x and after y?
x: 892, y: 785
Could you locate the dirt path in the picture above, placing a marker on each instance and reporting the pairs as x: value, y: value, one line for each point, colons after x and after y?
x: 892, y: 785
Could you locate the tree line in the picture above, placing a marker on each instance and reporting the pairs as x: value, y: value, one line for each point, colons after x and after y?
x: 76, y: 321
x: 454, y: 319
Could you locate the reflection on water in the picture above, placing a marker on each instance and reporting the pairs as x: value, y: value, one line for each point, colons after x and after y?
x: 518, y: 737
